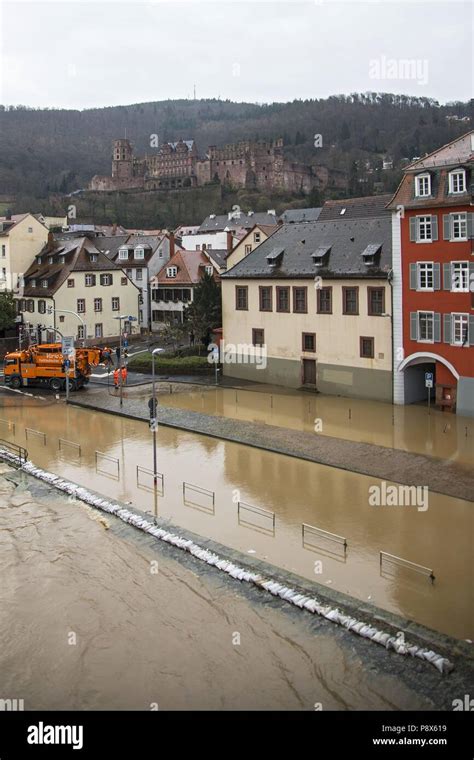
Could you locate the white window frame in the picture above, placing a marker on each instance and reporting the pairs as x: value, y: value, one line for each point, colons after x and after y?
x: 44, y: 283
x: 89, y: 280
x: 425, y: 266
x: 139, y: 274
x: 123, y: 254
x: 116, y: 307
x: 99, y: 333
x: 81, y: 332
x: 425, y: 340
x: 97, y: 302
x: 171, y: 271
x: 454, y: 179
x: 424, y: 222
x: 420, y: 181
x: 464, y: 268
x: 256, y: 237
x: 464, y: 319
x: 461, y: 220
x: 209, y: 269
x: 139, y: 252
x: 93, y: 258
x: 83, y: 310
x: 33, y: 283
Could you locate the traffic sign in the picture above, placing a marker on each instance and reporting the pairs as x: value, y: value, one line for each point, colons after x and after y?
x: 67, y: 347
x: 428, y: 379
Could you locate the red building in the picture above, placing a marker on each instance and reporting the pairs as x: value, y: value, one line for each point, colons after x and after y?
x: 433, y: 282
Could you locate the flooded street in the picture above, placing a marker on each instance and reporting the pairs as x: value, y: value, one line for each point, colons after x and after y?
x: 409, y: 428
x: 294, y: 490
x: 93, y: 617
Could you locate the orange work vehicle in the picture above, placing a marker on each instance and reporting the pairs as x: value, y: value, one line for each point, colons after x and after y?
x: 44, y: 364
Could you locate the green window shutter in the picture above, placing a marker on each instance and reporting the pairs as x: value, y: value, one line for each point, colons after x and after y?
x: 446, y: 227
x: 413, y: 228
x: 470, y: 225
x: 413, y: 276
x: 447, y: 328
x: 471, y: 329
x: 434, y: 227
x: 413, y: 325
x: 436, y: 327
x: 447, y: 276
x: 436, y: 276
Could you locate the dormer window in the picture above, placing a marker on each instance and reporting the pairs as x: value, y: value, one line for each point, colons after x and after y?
x: 39, y: 259
x: 139, y: 253
x: 123, y: 254
x: 275, y: 257
x: 44, y: 283
x: 371, y: 253
x: 50, y: 259
x: 61, y: 259
x: 209, y: 270
x: 33, y: 283
x: 171, y: 271
x: 93, y: 258
x: 457, y: 181
x: 422, y: 185
x: 320, y: 255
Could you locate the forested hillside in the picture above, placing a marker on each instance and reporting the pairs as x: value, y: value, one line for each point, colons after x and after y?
x: 49, y: 151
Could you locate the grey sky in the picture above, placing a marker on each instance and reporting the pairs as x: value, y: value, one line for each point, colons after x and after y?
x: 87, y: 53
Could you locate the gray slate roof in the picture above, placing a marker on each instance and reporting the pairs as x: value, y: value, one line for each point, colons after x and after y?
x: 244, y: 221
x: 356, y: 208
x: 300, y: 215
x: 347, y: 240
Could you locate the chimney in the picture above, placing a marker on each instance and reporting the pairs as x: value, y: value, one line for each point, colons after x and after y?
x: 171, y: 239
x: 114, y: 229
x: 50, y: 243
x: 230, y: 242
x: 8, y: 214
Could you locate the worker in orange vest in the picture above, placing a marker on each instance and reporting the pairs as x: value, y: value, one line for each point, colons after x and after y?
x: 124, y: 375
x: 116, y: 378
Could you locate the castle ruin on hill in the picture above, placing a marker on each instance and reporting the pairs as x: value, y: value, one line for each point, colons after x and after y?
x: 246, y: 164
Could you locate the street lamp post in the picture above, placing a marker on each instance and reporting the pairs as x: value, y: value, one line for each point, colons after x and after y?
x: 153, y: 412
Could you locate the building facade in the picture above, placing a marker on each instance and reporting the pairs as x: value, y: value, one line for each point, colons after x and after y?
x: 73, y: 289
x: 434, y: 278
x: 22, y: 236
x: 316, y: 298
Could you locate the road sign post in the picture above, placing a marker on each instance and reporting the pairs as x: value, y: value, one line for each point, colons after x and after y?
x: 428, y: 386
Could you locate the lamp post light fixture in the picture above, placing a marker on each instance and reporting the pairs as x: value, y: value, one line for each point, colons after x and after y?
x: 126, y: 318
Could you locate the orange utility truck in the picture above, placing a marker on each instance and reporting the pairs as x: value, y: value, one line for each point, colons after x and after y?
x: 45, y: 365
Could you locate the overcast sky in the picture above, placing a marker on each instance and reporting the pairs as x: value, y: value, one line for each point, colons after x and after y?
x: 87, y: 53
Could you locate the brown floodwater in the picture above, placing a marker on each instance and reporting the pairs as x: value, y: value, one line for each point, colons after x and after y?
x: 409, y: 428
x: 297, y: 492
x: 84, y: 624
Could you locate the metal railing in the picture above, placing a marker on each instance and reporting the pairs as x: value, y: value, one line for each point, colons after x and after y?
x: 15, y: 449
x: 145, y: 487
x: 405, y: 563
x: 189, y: 488
x: 31, y: 431
x: 266, y: 514
x: 100, y: 455
x: 63, y: 443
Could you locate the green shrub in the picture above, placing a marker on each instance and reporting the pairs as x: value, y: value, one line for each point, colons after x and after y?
x: 166, y: 365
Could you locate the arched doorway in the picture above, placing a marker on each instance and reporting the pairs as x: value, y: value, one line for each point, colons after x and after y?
x: 445, y: 379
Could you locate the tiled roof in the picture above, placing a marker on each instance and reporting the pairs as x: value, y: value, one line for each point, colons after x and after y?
x: 189, y: 264
x: 346, y: 240
x: 76, y: 259
x: 356, y: 208
x: 300, y: 215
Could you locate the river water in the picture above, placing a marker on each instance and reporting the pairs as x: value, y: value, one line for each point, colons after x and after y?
x: 296, y: 491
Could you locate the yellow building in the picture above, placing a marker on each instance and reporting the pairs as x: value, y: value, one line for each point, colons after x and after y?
x: 314, y: 301
x: 22, y: 236
x: 73, y: 289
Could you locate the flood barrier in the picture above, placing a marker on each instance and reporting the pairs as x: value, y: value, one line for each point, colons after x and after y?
x: 101, y: 457
x: 247, y: 515
x: 11, y: 425
x: 199, y: 498
x: 31, y: 431
x: 63, y: 444
x: 314, y: 538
